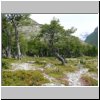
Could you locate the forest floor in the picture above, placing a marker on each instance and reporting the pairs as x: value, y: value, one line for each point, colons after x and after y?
x: 48, y: 71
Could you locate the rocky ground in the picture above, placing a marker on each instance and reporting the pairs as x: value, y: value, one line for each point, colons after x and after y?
x: 73, y: 78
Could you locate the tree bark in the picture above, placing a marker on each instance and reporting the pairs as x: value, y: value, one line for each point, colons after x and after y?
x: 17, y: 40
x: 8, y: 44
x: 60, y: 58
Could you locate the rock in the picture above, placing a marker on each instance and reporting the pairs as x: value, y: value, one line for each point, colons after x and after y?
x: 41, y: 69
x: 22, y: 66
x: 49, y: 65
x: 31, y: 62
x: 74, y: 78
x: 53, y: 84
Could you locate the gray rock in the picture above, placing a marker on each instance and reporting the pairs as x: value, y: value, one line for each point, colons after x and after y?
x: 49, y: 65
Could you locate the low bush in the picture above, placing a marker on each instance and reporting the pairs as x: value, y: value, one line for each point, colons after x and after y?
x: 5, y: 64
x: 89, y: 81
x: 23, y: 78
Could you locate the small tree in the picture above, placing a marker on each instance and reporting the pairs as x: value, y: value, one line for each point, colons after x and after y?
x: 52, y: 33
x: 15, y: 20
x: 6, y: 36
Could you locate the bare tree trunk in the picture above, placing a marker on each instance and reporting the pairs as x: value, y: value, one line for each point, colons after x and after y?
x: 8, y: 48
x: 60, y: 58
x: 9, y: 44
x: 17, y: 40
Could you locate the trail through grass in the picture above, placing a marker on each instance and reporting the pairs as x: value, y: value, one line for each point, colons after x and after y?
x: 51, y: 70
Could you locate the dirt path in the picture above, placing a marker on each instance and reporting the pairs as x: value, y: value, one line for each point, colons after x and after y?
x: 74, y: 78
x: 30, y: 66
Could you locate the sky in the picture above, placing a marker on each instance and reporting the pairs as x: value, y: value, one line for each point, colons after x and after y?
x: 85, y: 23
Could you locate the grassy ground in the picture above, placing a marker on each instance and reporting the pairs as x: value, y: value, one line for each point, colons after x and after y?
x: 88, y: 81
x: 23, y: 78
x: 28, y: 78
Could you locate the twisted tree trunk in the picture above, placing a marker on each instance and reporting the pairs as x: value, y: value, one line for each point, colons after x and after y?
x: 59, y: 57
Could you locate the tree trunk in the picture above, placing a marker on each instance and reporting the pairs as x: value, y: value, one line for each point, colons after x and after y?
x: 60, y: 58
x: 17, y: 40
x: 8, y: 44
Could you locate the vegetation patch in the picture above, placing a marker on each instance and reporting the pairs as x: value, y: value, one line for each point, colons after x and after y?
x: 88, y: 81
x: 23, y: 78
x: 63, y: 81
x: 49, y: 48
x: 5, y: 64
x: 92, y: 67
x: 54, y: 72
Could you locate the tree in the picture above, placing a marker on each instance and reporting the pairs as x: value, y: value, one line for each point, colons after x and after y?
x: 52, y: 33
x: 6, y: 36
x: 23, y: 44
x: 15, y: 20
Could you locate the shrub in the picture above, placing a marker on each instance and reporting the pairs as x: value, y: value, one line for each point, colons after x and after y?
x: 23, y: 78
x: 91, y: 67
x: 5, y: 64
x: 82, y: 61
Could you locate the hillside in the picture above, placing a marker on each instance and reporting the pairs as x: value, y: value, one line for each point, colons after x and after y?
x: 93, y: 38
x: 29, y: 27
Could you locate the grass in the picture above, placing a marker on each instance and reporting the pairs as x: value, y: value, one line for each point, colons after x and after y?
x: 5, y: 64
x: 63, y: 81
x: 23, y: 78
x: 57, y: 70
x: 86, y: 57
x: 54, y: 72
x: 89, y: 81
x: 92, y: 66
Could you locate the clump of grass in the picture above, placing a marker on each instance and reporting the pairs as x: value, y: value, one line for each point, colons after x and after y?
x: 23, y: 78
x: 63, y: 81
x: 59, y: 70
x: 89, y: 81
x: 40, y: 62
x: 55, y: 72
x: 82, y: 61
x: 86, y: 57
x: 26, y: 58
x: 91, y: 67
x: 70, y: 68
x: 10, y: 60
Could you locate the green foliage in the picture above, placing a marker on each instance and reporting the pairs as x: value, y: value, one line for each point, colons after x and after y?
x: 23, y: 78
x: 23, y: 44
x: 51, y: 37
x: 82, y: 61
x: 90, y: 50
x: 54, y: 35
x: 5, y: 64
x: 89, y: 81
